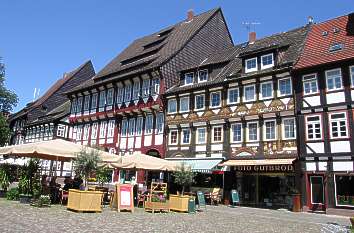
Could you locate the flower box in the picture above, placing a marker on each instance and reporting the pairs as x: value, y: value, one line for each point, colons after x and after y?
x: 179, y: 203
x: 159, y: 206
x: 85, y: 200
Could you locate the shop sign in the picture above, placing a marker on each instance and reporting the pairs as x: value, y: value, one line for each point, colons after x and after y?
x: 266, y: 168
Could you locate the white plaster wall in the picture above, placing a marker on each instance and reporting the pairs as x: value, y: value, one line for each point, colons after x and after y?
x: 337, y: 97
x: 158, y: 139
x: 312, y: 100
x: 217, y: 147
x: 130, y: 142
x: 322, y: 166
x: 318, y: 147
x: 216, y: 155
x: 147, y: 140
x: 200, y: 155
x: 109, y: 140
x: 138, y: 142
x: 200, y: 148
x: 340, y: 146
x: 311, y: 166
x: 343, y: 166
x: 123, y: 143
x: 102, y: 141
x: 352, y: 93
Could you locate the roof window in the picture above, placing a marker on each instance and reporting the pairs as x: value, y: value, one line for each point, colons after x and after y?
x: 336, y: 47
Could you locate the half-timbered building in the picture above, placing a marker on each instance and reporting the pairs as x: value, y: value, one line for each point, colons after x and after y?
x: 237, y: 105
x: 325, y: 96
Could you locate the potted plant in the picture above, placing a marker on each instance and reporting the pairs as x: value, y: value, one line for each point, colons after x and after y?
x: 184, y: 177
x: 4, y: 177
x: 29, y: 180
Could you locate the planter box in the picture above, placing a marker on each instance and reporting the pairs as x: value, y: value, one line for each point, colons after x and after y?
x: 179, y: 203
x: 159, y: 206
x: 85, y: 200
x: 25, y: 198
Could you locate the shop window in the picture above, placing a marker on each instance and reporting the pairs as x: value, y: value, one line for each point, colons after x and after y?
x: 344, y: 186
x: 310, y: 84
x: 313, y: 127
x: 338, y: 125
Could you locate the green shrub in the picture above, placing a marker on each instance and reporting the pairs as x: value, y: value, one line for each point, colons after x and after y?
x: 12, y: 194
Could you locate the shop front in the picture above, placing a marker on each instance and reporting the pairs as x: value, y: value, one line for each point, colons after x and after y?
x: 263, y: 183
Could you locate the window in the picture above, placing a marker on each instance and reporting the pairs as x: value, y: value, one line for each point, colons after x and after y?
x: 86, y: 102
x: 94, y: 131
x: 199, y: 102
x: 184, y: 104
x: 338, y: 125
x: 110, y: 96
x: 94, y: 101
x: 139, y: 125
x: 201, y: 135
x: 215, y: 99
x: 252, y: 131
x: 217, y: 133
x: 266, y: 90
x: 352, y: 75
x: 172, y: 106
x: 128, y: 93
x: 120, y: 95
x: 146, y: 87
x: 233, y: 95
x: 61, y: 131
x: 111, y: 125
x: 250, y: 93
x: 136, y: 90
x: 79, y: 104
x: 155, y: 86
x: 73, y: 106
x: 251, y: 65
x: 131, y: 127
x: 285, y: 86
x: 236, y: 132
x: 344, y: 190
x: 148, y: 124
x: 267, y: 61
x: 103, y: 129
x: 313, y: 127
x: 186, y: 135
x: 188, y: 79
x: 159, y: 122
x: 334, y: 79
x: 79, y: 133
x: 173, y: 137
x: 270, y: 130
x: 102, y: 100
x: 289, y: 128
x: 86, y: 132
x: 310, y: 84
x: 203, y: 76
x: 124, y: 128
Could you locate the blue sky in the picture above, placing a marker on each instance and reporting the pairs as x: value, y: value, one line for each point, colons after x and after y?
x: 40, y: 40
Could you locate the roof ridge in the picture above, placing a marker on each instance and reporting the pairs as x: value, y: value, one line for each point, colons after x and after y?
x: 332, y: 19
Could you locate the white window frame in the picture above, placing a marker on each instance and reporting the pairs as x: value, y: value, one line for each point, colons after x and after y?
x: 146, y: 88
x: 261, y: 97
x: 110, y: 131
x: 168, y: 106
x: 306, y: 127
x: 102, y: 100
x: 248, y: 131
x: 136, y: 90
x: 110, y: 96
x: 120, y: 95
x: 251, y: 69
x: 131, y: 127
x: 86, y: 103
x: 269, y: 65
x: 207, y: 76
x: 79, y: 104
x: 211, y: 102
x: 86, y: 132
x: 351, y: 71
x: 213, y: 133
x: 232, y: 133
x: 195, y: 102
x: 147, y: 130
x: 94, y: 101
x: 60, y: 131
x: 139, y: 126
x: 265, y: 130
x: 310, y: 80
x: 155, y: 86
x: 238, y: 95
x: 103, y: 130
x: 184, y: 80
x: 128, y: 92
x: 94, y: 131
x: 205, y: 135
x: 341, y: 79
x: 189, y: 137
x: 180, y: 104
x: 283, y: 128
x: 345, y: 119
x: 170, y: 137
x: 125, y: 126
x: 244, y: 93
x: 159, y: 122
x: 73, y: 108
x: 79, y: 133
x: 291, y: 86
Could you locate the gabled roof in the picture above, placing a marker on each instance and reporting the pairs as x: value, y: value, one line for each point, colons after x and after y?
x: 153, y: 50
x: 324, y: 40
x: 56, y: 114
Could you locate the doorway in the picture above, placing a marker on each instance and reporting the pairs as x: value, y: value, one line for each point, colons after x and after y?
x: 317, y: 192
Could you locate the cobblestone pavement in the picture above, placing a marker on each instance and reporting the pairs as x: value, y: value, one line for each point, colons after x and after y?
x: 15, y: 217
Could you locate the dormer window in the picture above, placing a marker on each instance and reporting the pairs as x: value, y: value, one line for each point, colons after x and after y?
x: 188, y: 79
x: 203, y: 76
x: 251, y: 65
x: 267, y: 61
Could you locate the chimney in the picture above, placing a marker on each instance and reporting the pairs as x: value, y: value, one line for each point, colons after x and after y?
x: 190, y: 15
x: 310, y: 20
x: 251, y: 37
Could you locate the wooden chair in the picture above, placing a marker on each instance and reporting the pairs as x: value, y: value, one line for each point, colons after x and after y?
x: 215, y: 196
x: 141, y: 199
x: 64, y: 196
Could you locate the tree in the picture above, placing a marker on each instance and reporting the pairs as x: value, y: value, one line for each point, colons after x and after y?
x: 183, y: 176
x: 8, y: 98
x: 4, y: 130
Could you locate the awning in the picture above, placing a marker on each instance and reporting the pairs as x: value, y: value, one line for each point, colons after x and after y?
x: 252, y: 162
x: 201, y: 165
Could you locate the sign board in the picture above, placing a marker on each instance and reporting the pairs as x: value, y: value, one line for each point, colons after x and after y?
x: 266, y: 168
x: 201, y: 199
x: 235, y: 197
x: 125, y: 197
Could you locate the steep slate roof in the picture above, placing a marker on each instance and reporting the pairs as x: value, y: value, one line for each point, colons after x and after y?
x: 317, y: 48
x: 56, y: 114
x: 290, y: 45
x: 153, y: 50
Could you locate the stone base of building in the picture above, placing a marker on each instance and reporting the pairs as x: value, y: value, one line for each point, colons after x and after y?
x: 341, y: 212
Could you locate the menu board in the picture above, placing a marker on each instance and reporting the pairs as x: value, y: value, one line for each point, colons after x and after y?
x: 125, y: 197
x: 201, y: 200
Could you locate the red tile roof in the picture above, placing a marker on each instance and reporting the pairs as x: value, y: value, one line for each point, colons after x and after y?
x: 322, y: 36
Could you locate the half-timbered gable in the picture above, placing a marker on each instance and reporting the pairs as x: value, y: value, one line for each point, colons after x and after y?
x: 126, y: 93
x: 324, y: 100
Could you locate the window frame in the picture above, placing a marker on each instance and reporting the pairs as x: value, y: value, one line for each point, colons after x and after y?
x: 238, y: 95
x: 184, y: 79
x: 263, y: 67
x: 341, y: 80
x: 306, y: 127
x: 182, y: 136
x: 291, y: 87
x: 131, y: 127
x: 303, y: 84
x: 159, y: 123
x: 265, y: 130
x: 60, y: 131
x: 180, y: 104
x: 110, y: 91
x: 248, y: 131
x: 233, y: 134
x: 211, y: 97
x: 168, y: 105
x: 139, y: 126
x: 128, y: 92
x: 124, y: 128
x: 110, y: 130
x: 102, y: 99
x: 148, y: 131
x: 213, y: 134
x: 120, y: 95
x: 79, y: 105
x: 136, y: 90
x: 94, y: 129
x: 247, y: 70
x: 261, y: 90
x: 205, y: 135
x: 351, y: 71
x: 254, y: 95
x: 345, y: 119
x: 103, y: 126
x: 283, y: 127
x: 87, y: 101
x: 195, y: 102
x: 207, y: 75
x: 170, y: 137
x: 145, y: 87
x: 85, y: 135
